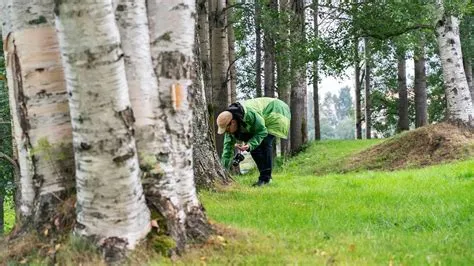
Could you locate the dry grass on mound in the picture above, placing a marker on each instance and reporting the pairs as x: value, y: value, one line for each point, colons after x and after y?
x: 429, y: 145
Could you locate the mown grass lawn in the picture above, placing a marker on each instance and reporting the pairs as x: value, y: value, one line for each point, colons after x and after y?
x: 410, y: 217
x: 313, y: 214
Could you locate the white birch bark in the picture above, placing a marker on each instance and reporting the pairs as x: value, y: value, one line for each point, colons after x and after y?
x: 110, y: 201
x: 153, y: 141
x: 172, y: 38
x: 40, y: 113
x: 132, y: 22
x: 460, y: 106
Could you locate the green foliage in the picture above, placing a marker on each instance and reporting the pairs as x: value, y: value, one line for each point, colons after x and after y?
x: 409, y: 217
x: 9, y: 214
x: 436, y: 94
x: 6, y: 169
x: 337, y: 115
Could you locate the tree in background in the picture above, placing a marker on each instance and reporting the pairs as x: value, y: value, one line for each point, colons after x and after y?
x: 317, y: 126
x: 337, y: 115
x: 421, y: 104
x: 467, y: 43
x: 403, y: 120
x: 219, y: 64
x: 299, y: 122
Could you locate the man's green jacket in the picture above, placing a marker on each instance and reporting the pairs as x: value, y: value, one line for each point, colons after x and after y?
x: 262, y: 116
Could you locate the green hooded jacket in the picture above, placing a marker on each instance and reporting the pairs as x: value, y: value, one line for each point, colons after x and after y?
x: 262, y: 116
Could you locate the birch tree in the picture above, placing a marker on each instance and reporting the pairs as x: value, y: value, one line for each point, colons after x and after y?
x: 460, y: 105
x: 110, y: 203
x: 172, y: 37
x: 39, y: 108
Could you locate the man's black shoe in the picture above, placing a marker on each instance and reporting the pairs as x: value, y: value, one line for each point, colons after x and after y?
x: 260, y: 183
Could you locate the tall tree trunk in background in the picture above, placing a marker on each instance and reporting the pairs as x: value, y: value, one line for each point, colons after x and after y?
x: 2, y: 215
x: 403, y: 121
x: 357, y: 85
x: 368, y: 104
x: 231, y: 43
x: 208, y: 172
x: 173, y: 59
x: 283, y: 65
x: 258, y: 48
x: 40, y: 114
x: 467, y: 62
x: 299, y: 130
x: 202, y: 8
x: 220, y: 65
x: 421, y: 105
x: 317, y: 126
x: 460, y: 105
x: 271, y: 7
x: 106, y: 157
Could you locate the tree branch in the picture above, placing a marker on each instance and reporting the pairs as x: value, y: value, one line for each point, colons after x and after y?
x: 387, y: 35
x: 12, y: 162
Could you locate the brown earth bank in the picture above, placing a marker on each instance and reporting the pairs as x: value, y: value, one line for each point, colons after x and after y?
x: 429, y: 145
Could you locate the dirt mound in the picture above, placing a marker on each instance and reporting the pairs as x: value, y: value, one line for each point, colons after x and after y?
x: 429, y: 145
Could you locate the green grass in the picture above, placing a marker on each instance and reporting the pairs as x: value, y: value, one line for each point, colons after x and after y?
x: 410, y: 217
x: 313, y: 215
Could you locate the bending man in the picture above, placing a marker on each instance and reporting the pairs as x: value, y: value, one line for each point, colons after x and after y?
x: 256, y: 123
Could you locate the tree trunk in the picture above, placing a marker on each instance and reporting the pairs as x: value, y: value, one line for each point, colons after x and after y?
x: 204, y: 47
x: 258, y: 48
x: 299, y: 131
x: 421, y: 106
x: 283, y: 66
x: 403, y: 121
x: 460, y: 106
x: 220, y: 65
x: 208, y: 172
x: 468, y: 69
x: 368, y: 104
x: 40, y: 113
x: 231, y: 43
x: 173, y: 60
x: 109, y: 191
x: 357, y: 85
x: 2, y: 214
x: 151, y: 136
x: 269, y: 50
x: 317, y: 126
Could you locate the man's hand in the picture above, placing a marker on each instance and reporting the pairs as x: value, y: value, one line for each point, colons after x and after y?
x: 242, y: 147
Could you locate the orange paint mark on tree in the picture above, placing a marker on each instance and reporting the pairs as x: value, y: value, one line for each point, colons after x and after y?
x: 177, y: 94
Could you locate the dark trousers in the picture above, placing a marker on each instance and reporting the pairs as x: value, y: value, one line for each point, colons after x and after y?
x: 263, y: 157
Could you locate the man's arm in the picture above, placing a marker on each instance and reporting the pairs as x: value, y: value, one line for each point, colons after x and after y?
x: 228, y: 150
x: 258, y: 124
